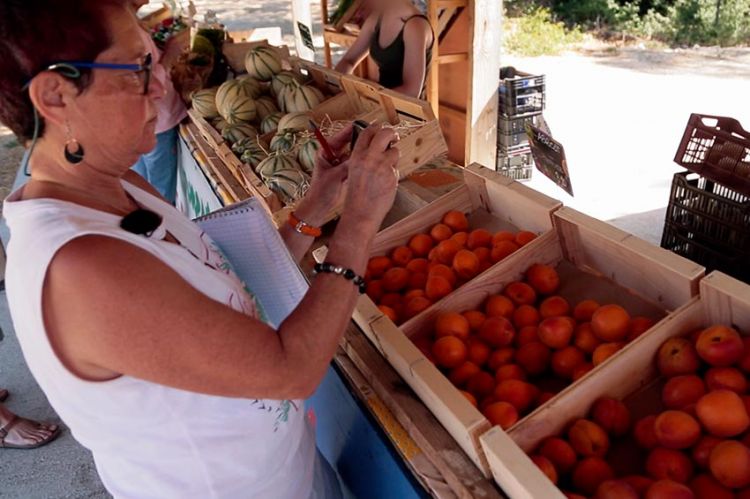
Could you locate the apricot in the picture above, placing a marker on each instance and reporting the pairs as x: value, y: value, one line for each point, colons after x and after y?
x: 677, y: 356
x: 589, y: 473
x: 644, y: 433
x: 585, y: 339
x: 497, y: 332
x: 722, y: 413
x: 466, y: 264
x: 483, y: 254
x: 449, y: 352
x: 682, y: 391
x: 615, y: 489
x: 729, y: 463
x: 475, y: 318
x: 395, y: 279
x: 441, y: 232
x: 481, y: 384
x: 676, y: 430
x: 526, y: 315
x: 461, y: 375
x: 460, y: 238
x: 456, y: 220
x: 375, y: 290
x: 437, y: 287
x: 726, y: 378
x: 533, y: 357
x: 503, y: 235
x: 669, y: 464
x: 605, y: 351
x: 560, y: 454
x: 401, y: 256
x: 584, y: 310
x: 544, y: 397
x: 546, y: 466
x: 413, y: 293
x: 524, y: 237
x: 446, y: 251
x: 479, y: 352
x: 707, y: 487
x: 479, y: 238
x: 378, y: 265
x: 566, y: 360
x: 393, y: 300
x: 610, y: 323
x: 421, y: 244
x: 509, y: 371
x: 639, y: 483
x: 415, y: 306
x: 638, y: 326
x: 744, y: 362
x: 452, y: 324
x: 588, y: 438
x: 417, y: 281
x: 554, y: 306
x: 518, y: 393
x: 668, y: 489
x: 500, y: 357
x: 527, y: 335
x: 471, y: 398
x: 520, y: 293
x: 499, y: 306
x: 581, y: 370
x: 443, y: 271
x: 720, y: 346
x: 543, y: 278
x: 555, y: 332
x: 501, y: 414
x: 502, y: 250
x: 611, y: 415
x: 702, y: 450
x: 388, y: 312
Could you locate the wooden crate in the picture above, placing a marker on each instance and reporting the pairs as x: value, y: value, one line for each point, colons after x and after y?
x: 630, y: 375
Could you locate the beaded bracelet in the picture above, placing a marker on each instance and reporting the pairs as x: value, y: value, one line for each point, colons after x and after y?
x: 348, y: 274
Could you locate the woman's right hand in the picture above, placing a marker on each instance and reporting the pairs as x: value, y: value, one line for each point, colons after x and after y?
x: 373, y: 177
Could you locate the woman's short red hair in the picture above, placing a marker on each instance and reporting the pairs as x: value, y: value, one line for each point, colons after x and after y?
x: 37, y: 33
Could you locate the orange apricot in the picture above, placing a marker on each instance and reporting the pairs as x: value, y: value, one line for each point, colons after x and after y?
x: 524, y: 237
x: 378, y: 265
x: 421, y: 244
x: 499, y: 306
x: 452, y: 324
x: 456, y: 220
x: 502, y: 250
x: 466, y: 264
x: 441, y: 232
x: 479, y: 238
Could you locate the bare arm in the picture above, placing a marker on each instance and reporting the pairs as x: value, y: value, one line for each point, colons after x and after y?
x: 361, y: 48
x: 417, y: 37
x: 176, y: 336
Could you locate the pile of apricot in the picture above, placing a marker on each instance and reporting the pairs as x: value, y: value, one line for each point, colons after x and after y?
x: 430, y: 266
x: 526, y: 344
x: 696, y: 447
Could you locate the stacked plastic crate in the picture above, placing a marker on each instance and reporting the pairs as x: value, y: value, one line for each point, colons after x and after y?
x: 522, y: 99
x: 708, y: 217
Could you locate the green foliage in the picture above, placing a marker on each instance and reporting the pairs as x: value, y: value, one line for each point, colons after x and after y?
x: 536, y: 33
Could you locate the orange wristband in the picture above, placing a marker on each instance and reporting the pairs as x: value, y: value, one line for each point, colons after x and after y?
x: 303, y: 228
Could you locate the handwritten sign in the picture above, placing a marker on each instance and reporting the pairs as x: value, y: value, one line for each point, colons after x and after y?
x: 306, y: 36
x: 549, y: 156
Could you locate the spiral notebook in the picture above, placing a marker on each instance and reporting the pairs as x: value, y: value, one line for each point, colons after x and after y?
x: 246, y: 235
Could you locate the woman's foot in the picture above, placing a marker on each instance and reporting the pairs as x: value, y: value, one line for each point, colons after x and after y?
x: 20, y: 433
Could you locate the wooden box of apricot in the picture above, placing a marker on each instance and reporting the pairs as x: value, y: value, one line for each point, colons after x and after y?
x: 494, y: 303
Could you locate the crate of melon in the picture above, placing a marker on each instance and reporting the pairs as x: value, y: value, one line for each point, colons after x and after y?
x: 666, y: 417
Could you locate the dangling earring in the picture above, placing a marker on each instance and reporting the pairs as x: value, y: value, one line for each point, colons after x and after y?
x: 75, y: 155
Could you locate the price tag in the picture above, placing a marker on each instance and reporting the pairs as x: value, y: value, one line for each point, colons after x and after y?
x: 549, y: 156
x: 306, y: 35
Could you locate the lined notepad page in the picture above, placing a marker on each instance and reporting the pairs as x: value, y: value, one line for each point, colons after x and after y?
x: 248, y: 238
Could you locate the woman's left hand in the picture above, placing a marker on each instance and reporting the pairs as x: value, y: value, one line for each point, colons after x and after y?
x: 326, y: 190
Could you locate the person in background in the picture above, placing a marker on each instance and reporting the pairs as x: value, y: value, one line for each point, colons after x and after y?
x: 21, y: 433
x: 399, y: 39
x: 159, y: 166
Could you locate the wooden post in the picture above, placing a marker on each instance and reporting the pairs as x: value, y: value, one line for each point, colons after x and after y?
x: 301, y: 13
x: 485, y: 36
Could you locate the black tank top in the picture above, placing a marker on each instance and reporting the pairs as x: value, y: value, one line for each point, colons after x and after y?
x: 390, y: 59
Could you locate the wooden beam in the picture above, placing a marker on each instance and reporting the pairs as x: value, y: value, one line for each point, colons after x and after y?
x: 484, y: 64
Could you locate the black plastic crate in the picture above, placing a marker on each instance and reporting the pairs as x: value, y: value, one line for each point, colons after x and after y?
x: 520, y: 93
x: 518, y: 165
x: 709, y: 224
x: 507, y: 125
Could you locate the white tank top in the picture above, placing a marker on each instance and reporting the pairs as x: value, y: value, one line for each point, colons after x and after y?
x: 149, y: 440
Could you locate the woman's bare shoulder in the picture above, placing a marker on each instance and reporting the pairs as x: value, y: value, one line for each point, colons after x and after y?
x: 140, y: 182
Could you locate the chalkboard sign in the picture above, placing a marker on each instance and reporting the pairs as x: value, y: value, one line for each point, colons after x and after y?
x: 306, y: 35
x: 549, y: 156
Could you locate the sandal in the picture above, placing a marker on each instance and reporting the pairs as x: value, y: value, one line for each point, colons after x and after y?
x: 5, y: 430
x: 4, y: 395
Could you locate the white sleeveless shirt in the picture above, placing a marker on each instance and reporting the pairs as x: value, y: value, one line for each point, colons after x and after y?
x: 149, y: 440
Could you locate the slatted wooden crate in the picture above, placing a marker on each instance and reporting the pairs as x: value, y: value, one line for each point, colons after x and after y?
x: 630, y: 375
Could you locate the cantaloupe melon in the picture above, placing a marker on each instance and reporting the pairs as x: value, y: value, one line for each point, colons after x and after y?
x: 253, y: 156
x: 233, y: 133
x: 284, y: 79
x: 232, y: 88
x: 219, y: 123
x: 254, y: 86
x: 276, y: 162
x: 299, y: 98
x: 244, y: 144
x: 265, y: 107
x: 283, y: 141
x: 289, y: 184
x: 237, y: 108
x: 295, y: 121
x: 204, y: 103
x: 307, y: 153
x: 270, y: 123
x: 262, y: 63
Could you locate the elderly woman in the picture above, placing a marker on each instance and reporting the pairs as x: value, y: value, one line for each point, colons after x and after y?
x: 178, y: 389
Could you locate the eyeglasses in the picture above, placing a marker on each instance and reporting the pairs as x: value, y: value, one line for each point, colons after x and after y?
x: 72, y: 70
